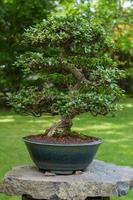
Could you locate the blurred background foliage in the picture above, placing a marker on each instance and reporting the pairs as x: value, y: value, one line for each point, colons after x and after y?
x: 17, y: 15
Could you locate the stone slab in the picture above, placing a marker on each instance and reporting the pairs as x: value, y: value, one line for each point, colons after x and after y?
x: 99, y: 180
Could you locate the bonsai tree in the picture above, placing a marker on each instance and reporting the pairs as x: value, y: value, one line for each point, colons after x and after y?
x: 67, y: 71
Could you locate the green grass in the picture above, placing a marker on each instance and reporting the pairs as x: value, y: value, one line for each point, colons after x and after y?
x: 117, y: 134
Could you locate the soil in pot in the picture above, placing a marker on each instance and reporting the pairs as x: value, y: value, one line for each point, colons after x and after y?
x: 67, y: 139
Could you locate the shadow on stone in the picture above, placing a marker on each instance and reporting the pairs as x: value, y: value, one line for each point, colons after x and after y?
x: 26, y: 197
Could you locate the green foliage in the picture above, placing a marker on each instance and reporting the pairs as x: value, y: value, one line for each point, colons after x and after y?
x: 118, y: 20
x: 15, y: 16
x: 70, y: 62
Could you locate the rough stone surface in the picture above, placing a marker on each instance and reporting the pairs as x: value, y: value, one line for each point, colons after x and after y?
x: 99, y: 180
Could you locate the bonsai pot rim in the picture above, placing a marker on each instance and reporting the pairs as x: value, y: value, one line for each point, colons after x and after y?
x: 27, y: 139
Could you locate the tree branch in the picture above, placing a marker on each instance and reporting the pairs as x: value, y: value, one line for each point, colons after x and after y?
x: 79, y: 76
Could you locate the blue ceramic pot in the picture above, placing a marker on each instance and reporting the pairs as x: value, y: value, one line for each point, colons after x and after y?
x: 61, y: 158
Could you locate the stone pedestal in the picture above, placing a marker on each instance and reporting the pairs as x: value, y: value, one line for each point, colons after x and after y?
x: 100, y: 181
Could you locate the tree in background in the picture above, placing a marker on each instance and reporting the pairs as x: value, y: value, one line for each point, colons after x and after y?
x: 15, y: 16
x: 117, y: 18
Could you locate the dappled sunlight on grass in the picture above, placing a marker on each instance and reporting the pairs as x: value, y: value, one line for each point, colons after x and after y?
x: 6, y: 120
x: 104, y: 126
x: 128, y: 105
x: 130, y: 123
x: 116, y: 132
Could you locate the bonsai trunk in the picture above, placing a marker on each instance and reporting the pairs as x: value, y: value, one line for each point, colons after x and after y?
x: 63, y: 127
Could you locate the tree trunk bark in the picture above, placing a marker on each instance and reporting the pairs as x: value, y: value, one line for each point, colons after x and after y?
x: 63, y: 127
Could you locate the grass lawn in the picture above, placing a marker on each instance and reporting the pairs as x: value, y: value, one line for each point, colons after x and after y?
x: 117, y: 134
